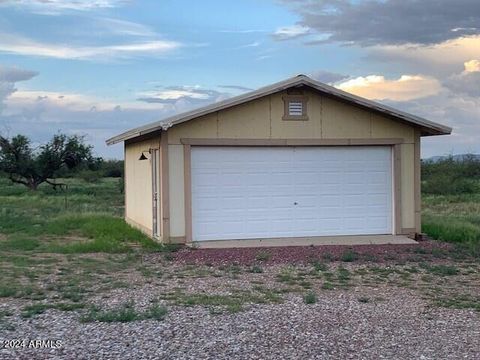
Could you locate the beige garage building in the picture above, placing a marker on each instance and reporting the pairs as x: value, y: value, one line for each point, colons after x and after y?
x: 292, y: 163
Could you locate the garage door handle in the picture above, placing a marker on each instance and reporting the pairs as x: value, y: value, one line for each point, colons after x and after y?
x: 295, y: 203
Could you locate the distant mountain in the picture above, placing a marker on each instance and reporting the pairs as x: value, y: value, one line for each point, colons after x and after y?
x: 458, y: 157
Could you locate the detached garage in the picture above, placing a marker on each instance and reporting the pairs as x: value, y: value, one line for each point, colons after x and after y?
x: 295, y: 163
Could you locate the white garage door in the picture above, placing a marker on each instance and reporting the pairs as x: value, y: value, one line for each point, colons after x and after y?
x: 270, y: 192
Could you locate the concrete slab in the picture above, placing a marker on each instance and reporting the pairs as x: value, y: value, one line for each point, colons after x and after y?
x: 307, y: 241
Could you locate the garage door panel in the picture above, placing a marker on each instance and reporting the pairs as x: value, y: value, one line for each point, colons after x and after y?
x: 353, y: 189
x: 252, y: 192
x: 206, y: 203
x: 354, y: 222
x: 326, y: 201
x: 377, y: 199
x: 232, y: 178
x: 330, y: 226
x: 306, y: 201
x: 355, y: 200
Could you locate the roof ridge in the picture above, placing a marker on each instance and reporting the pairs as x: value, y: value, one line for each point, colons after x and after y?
x: 430, y: 127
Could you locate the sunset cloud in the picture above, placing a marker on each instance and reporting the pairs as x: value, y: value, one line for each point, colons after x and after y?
x: 377, y: 87
x: 442, y: 57
x: 472, y: 66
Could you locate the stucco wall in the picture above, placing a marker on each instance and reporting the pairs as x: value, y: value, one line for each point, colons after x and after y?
x: 138, y: 184
x: 262, y: 119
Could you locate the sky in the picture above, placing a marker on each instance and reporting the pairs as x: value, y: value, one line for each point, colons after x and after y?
x: 99, y: 67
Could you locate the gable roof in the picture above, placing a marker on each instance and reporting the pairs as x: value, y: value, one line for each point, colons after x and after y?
x: 427, y: 127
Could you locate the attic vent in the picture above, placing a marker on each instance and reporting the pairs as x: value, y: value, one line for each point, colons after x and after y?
x: 295, y: 107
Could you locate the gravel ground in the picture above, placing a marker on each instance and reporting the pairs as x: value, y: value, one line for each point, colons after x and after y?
x: 396, y: 321
x: 337, y: 326
x: 303, y: 254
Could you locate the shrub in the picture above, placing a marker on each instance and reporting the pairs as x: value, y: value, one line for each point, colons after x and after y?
x: 263, y: 255
x: 449, y: 184
x: 124, y: 313
x: 112, y: 168
x: 349, y: 256
x: 319, y: 266
x: 451, y: 175
x: 310, y: 298
x: 327, y: 286
x: 156, y: 312
x: 256, y: 269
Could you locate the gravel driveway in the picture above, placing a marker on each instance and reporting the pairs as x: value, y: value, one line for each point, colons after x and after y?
x: 337, y: 326
x: 365, y: 320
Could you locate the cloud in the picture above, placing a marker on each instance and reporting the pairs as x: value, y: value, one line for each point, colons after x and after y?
x: 183, y: 96
x: 405, y: 88
x: 72, y: 101
x: 327, y: 76
x: 9, y: 76
x: 15, y: 74
x: 468, y: 81
x: 462, y: 113
x: 443, y: 58
x: 245, y: 31
x: 19, y: 45
x: 263, y: 57
x: 249, y: 45
x: 290, y: 32
x: 453, y: 101
x: 235, y: 87
x: 389, y: 22
x: 472, y: 66
x: 55, y: 7
x: 121, y: 27
x: 39, y: 114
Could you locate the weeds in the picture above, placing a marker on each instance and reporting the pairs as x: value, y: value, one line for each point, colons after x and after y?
x: 263, y: 255
x: 442, y: 270
x: 39, y: 308
x: 124, y: 313
x: 310, y: 298
x: 328, y: 286
x: 319, y: 266
x: 349, y: 256
x: 459, y: 302
x: 256, y: 269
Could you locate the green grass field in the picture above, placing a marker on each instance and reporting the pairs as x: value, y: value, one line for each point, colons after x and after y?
x: 453, y: 218
x: 85, y: 218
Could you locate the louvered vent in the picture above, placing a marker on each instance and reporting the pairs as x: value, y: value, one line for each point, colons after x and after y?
x: 295, y: 108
